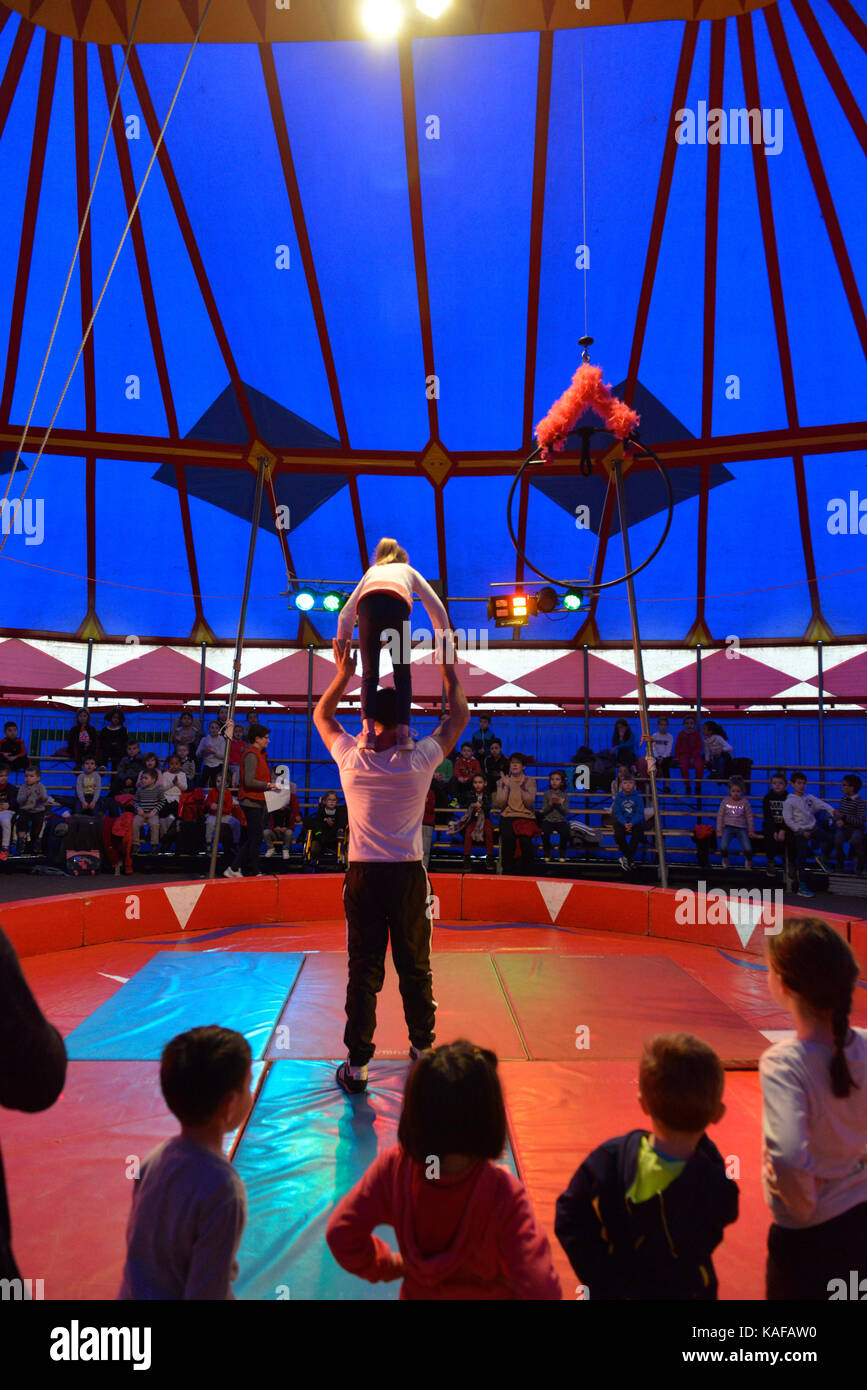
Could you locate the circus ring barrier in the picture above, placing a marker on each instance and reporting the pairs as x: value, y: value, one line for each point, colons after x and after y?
x: 37, y: 926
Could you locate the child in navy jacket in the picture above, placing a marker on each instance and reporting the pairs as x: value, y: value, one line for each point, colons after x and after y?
x: 644, y: 1212
x: 627, y: 813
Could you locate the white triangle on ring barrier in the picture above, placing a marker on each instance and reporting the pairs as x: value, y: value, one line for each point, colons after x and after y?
x: 183, y: 898
x: 554, y: 895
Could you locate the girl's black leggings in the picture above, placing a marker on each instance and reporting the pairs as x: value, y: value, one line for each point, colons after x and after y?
x: 380, y: 613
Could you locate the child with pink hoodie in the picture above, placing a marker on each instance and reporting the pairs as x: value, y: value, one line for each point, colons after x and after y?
x: 464, y: 1225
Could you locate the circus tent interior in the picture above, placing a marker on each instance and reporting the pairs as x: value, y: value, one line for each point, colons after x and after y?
x: 273, y: 287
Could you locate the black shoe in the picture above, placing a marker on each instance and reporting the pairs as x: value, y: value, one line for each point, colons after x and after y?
x: 348, y: 1083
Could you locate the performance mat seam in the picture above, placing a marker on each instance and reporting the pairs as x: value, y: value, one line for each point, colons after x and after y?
x: 269, y: 1062
x: 505, y: 993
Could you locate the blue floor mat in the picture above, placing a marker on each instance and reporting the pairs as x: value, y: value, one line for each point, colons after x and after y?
x: 177, y: 990
x: 306, y: 1144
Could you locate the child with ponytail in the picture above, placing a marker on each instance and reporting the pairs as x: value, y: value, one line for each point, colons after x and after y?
x: 382, y: 602
x: 814, y: 1091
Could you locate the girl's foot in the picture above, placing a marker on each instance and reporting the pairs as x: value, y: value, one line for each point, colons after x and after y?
x: 404, y: 740
x: 367, y: 739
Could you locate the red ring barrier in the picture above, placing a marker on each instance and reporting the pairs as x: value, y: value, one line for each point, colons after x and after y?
x: 38, y: 925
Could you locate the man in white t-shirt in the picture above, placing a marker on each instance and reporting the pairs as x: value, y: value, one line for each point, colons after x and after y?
x: 386, y: 891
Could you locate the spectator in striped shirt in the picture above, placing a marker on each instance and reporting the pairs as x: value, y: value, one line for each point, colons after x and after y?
x: 849, y: 820
x: 148, y: 800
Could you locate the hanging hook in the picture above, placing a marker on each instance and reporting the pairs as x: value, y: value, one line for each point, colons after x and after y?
x: 585, y: 343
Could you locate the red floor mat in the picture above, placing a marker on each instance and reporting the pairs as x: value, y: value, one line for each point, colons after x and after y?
x: 560, y: 1111
x: 471, y: 1004
x: 619, y: 1000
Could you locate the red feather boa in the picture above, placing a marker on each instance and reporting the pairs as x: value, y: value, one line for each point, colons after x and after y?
x: 586, y: 392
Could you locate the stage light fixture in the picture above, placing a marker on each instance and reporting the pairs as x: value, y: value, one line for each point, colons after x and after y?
x: 382, y: 18
x: 572, y: 600
x: 547, y: 600
x: 333, y: 601
x: 304, y: 600
x: 512, y: 610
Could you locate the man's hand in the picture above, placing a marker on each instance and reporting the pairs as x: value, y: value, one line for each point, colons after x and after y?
x: 344, y: 658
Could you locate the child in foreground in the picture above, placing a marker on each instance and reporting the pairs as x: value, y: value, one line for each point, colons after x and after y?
x: 644, y: 1212
x: 189, y: 1206
x: 465, y: 1228
x: 814, y: 1118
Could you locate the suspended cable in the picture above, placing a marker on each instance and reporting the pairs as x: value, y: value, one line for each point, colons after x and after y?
x: 583, y: 188
x: 81, y: 229
x: 126, y: 229
x: 453, y: 598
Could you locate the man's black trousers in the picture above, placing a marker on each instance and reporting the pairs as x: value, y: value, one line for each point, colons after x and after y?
x: 383, y: 900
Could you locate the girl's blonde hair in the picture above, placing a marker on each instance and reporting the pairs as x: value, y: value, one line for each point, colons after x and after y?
x: 388, y: 552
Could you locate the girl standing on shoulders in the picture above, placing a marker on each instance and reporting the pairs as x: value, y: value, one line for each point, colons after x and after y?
x: 382, y: 602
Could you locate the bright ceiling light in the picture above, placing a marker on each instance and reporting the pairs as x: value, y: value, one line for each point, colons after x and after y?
x: 432, y: 8
x: 382, y: 18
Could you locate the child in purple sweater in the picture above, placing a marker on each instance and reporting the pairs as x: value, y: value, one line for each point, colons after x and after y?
x: 734, y: 821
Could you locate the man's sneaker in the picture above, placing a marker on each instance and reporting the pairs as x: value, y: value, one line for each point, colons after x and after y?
x: 624, y: 862
x: 352, y: 1080
x: 725, y: 862
x: 804, y: 892
x: 232, y: 873
x: 269, y: 853
x: 285, y: 852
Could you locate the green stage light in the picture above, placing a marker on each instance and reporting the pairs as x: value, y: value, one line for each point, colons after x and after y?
x: 572, y: 600
x: 333, y: 601
x: 304, y: 600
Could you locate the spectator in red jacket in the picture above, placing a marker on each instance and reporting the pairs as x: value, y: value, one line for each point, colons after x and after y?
x: 466, y: 767
x: 688, y: 753
x: 464, y: 1225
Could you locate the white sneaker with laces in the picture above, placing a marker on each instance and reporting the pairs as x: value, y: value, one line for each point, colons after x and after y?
x: 232, y: 873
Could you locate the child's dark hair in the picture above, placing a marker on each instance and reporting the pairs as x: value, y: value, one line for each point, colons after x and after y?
x: 518, y: 758
x: 559, y: 772
x: 798, y: 774
x: 10, y: 724
x: 854, y: 781
x: 814, y: 962
x: 682, y: 1080
x: 385, y: 707
x: 736, y: 782
x: 779, y: 773
x: 199, y: 1068
x: 453, y: 1104
x: 258, y: 731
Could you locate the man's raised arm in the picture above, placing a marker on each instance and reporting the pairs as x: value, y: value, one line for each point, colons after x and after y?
x: 323, y: 715
x: 449, y: 732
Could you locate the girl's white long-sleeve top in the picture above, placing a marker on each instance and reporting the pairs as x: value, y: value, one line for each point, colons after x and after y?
x: 398, y: 579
